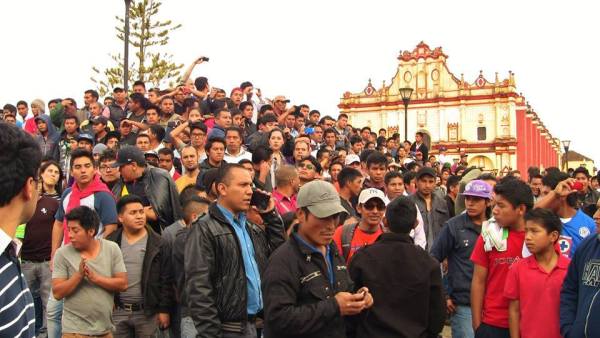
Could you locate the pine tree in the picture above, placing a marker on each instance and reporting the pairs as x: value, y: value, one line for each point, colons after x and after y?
x: 146, y: 34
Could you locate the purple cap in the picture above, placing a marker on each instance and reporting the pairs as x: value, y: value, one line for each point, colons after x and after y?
x: 478, y: 188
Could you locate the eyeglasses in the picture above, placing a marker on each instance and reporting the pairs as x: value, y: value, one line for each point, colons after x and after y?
x: 198, y: 134
x: 106, y: 167
x: 371, y: 206
x: 307, y: 166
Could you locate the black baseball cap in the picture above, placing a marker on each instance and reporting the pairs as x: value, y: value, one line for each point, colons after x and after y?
x: 426, y: 171
x: 85, y: 137
x: 99, y: 120
x: 205, y: 182
x: 129, y: 154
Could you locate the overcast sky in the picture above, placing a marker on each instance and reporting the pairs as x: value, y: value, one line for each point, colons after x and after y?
x: 313, y: 51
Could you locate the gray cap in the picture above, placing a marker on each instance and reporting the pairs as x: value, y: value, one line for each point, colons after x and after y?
x: 99, y: 148
x: 321, y: 199
x: 129, y: 154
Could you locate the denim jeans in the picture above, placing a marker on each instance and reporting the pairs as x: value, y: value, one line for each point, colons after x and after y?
x: 461, y: 322
x: 39, y: 280
x: 54, y: 317
x: 488, y: 331
x: 188, y: 330
x: 133, y: 324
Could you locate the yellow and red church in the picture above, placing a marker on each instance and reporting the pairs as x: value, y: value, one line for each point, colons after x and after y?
x: 488, y: 120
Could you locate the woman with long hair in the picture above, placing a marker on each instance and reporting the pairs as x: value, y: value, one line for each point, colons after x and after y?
x: 51, y: 179
x: 276, y: 142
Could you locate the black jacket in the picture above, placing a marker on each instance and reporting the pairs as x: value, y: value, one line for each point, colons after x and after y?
x: 422, y: 148
x: 406, y: 285
x: 456, y: 242
x: 439, y: 215
x: 299, y: 299
x: 157, y: 288
x: 162, y: 194
x: 215, y: 277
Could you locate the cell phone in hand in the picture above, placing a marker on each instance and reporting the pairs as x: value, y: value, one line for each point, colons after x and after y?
x: 260, y: 200
x: 174, y: 124
x: 577, y: 186
x: 204, y: 58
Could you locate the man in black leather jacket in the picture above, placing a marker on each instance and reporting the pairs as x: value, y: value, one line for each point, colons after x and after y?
x: 306, y: 284
x: 153, y: 185
x: 225, y: 256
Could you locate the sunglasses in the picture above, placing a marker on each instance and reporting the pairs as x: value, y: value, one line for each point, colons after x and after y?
x: 371, y: 206
x: 307, y: 166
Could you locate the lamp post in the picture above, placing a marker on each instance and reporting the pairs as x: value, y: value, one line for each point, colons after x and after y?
x: 566, y: 144
x: 126, y: 52
x: 405, y: 93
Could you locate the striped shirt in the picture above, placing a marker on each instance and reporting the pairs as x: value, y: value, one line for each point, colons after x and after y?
x: 17, y: 314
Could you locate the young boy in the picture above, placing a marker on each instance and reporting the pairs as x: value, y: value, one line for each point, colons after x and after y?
x: 455, y: 243
x: 376, y: 169
x: 500, y: 245
x: 533, y: 283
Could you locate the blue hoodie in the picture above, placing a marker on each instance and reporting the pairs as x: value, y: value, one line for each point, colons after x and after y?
x: 580, y: 294
x: 49, y: 145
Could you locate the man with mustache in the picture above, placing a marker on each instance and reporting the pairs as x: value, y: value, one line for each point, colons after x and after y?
x: 225, y: 258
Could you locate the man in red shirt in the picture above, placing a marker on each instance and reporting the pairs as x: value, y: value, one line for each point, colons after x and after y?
x: 351, y: 237
x: 533, y: 283
x: 500, y: 245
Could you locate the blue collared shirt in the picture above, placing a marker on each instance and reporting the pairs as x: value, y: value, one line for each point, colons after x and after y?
x: 255, y: 303
x: 328, y: 257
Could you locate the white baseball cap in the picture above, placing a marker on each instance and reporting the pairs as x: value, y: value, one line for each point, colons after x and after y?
x: 370, y: 193
x: 351, y: 158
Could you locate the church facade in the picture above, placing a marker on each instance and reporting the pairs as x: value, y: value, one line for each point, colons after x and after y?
x: 486, y: 119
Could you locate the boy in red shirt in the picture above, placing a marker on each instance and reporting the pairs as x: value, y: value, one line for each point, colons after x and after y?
x: 533, y: 283
x: 500, y: 245
x: 351, y: 237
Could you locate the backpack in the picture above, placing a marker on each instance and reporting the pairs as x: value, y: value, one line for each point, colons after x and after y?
x: 348, y: 231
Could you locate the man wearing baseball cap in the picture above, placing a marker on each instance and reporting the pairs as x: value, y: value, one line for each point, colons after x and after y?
x: 455, y: 243
x: 99, y: 124
x: 309, y: 289
x: 279, y: 104
x: 353, y: 161
x: 85, y: 141
x: 351, y: 237
x: 153, y: 185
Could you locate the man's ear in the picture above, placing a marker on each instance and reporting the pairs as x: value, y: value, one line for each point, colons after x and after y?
x: 29, y: 189
x: 220, y: 188
x: 522, y: 210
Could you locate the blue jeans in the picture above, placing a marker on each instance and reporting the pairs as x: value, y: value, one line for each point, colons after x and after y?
x: 39, y: 280
x: 54, y: 317
x: 461, y: 322
x: 188, y: 330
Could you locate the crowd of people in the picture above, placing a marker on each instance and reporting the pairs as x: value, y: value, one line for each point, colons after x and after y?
x: 190, y: 213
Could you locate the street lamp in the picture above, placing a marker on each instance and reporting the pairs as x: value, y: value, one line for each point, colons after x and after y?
x: 566, y: 144
x: 126, y: 52
x: 405, y: 93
